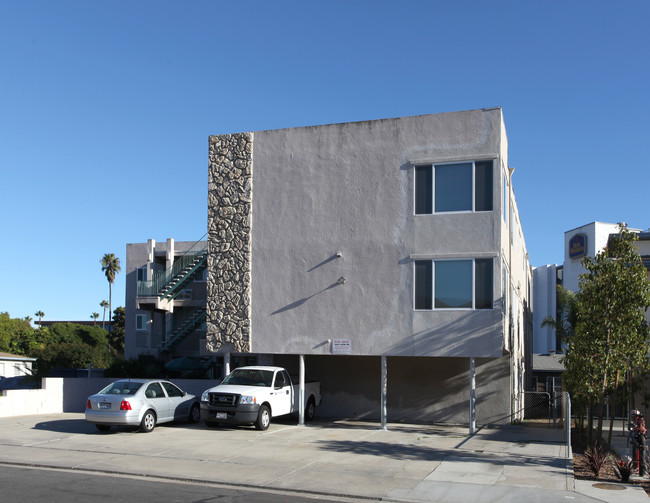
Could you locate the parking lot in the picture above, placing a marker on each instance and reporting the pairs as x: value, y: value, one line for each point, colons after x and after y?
x: 350, y: 459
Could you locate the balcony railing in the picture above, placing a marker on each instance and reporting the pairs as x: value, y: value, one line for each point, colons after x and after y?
x: 165, y: 282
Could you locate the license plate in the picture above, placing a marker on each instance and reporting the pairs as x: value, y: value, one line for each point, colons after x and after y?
x: 104, y: 405
x: 222, y: 415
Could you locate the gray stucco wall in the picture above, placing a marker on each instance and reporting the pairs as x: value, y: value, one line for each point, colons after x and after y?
x: 347, y: 188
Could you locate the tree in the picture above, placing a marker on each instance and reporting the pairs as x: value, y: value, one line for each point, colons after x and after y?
x: 39, y: 314
x: 104, y: 305
x: 611, y: 334
x: 110, y: 267
x: 73, y: 346
x: 94, y: 317
x: 116, y: 335
x: 15, y: 335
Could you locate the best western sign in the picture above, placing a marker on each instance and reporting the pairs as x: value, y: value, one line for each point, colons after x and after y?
x: 578, y: 246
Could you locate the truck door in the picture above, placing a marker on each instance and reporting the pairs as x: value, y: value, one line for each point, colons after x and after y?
x: 282, y: 394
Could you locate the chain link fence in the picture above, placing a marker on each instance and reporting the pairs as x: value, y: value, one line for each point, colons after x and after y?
x: 550, y: 410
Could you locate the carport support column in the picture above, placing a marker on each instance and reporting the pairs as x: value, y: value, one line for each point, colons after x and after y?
x: 472, y: 396
x: 226, y: 364
x: 384, y: 390
x: 301, y: 391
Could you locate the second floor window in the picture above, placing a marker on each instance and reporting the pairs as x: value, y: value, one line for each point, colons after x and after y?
x: 461, y: 186
x: 453, y: 284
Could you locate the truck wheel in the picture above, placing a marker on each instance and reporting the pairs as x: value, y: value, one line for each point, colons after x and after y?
x: 148, y: 422
x: 263, y: 418
x: 310, y: 410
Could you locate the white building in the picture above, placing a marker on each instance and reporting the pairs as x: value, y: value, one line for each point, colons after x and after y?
x: 15, y: 365
x: 585, y: 241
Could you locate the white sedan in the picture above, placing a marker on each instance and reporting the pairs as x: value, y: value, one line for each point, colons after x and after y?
x: 141, y: 402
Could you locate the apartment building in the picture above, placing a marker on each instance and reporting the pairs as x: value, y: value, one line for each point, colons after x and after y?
x: 165, y: 299
x: 384, y: 258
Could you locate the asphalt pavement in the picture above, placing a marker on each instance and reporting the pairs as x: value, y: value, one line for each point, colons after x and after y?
x: 347, y: 459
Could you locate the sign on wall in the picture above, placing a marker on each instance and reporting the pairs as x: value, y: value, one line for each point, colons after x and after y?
x: 341, y: 346
x: 578, y: 246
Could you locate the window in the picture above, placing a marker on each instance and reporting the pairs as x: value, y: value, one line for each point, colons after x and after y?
x: 453, y: 284
x: 142, y: 274
x: 464, y: 186
x: 172, y: 391
x: 140, y: 321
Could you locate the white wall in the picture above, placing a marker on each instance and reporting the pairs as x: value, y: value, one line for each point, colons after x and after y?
x: 597, y: 235
x: 15, y: 368
x: 27, y: 402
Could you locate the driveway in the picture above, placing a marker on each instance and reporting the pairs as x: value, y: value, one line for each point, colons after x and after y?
x: 342, y: 458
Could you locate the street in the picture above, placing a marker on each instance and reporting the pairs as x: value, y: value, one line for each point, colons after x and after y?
x: 21, y: 483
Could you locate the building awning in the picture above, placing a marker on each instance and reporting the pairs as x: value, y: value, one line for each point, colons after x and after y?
x: 548, y: 363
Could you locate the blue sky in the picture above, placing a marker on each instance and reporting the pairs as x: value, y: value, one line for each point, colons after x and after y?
x: 106, y: 108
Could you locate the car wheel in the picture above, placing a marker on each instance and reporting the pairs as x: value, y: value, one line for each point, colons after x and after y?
x: 263, y: 418
x: 148, y: 422
x: 103, y: 427
x: 195, y: 414
x: 310, y: 410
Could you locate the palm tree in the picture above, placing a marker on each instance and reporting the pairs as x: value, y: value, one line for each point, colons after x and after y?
x: 104, y: 304
x: 40, y: 315
x: 94, y: 317
x: 110, y: 267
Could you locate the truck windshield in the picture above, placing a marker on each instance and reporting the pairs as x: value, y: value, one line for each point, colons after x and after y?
x: 250, y: 377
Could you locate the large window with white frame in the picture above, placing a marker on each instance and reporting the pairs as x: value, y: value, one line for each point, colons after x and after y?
x: 453, y: 187
x: 454, y: 284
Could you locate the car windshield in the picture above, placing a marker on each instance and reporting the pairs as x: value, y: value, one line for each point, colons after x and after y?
x: 250, y: 377
x: 121, y: 388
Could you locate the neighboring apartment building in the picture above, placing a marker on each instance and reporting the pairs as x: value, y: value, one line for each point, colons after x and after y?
x: 385, y: 258
x: 165, y: 299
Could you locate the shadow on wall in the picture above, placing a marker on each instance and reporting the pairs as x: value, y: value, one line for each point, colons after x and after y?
x: 461, y: 334
x: 300, y: 302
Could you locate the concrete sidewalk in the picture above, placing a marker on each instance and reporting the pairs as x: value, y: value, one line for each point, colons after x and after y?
x: 352, y: 460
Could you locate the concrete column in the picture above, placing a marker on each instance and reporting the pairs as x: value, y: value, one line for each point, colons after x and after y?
x: 472, y: 396
x: 169, y: 256
x: 384, y: 390
x: 301, y: 392
x: 151, y: 249
x: 226, y: 364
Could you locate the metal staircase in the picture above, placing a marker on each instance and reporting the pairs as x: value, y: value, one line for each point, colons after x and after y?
x: 169, y: 283
x: 183, y: 327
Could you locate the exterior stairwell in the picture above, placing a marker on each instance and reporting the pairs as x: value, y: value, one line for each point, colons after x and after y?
x: 168, y: 284
x: 174, y: 286
x: 183, y: 328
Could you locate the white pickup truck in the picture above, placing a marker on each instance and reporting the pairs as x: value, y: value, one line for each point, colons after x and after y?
x: 253, y: 395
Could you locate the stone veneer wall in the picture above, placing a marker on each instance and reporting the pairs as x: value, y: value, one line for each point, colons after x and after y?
x: 230, y: 179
